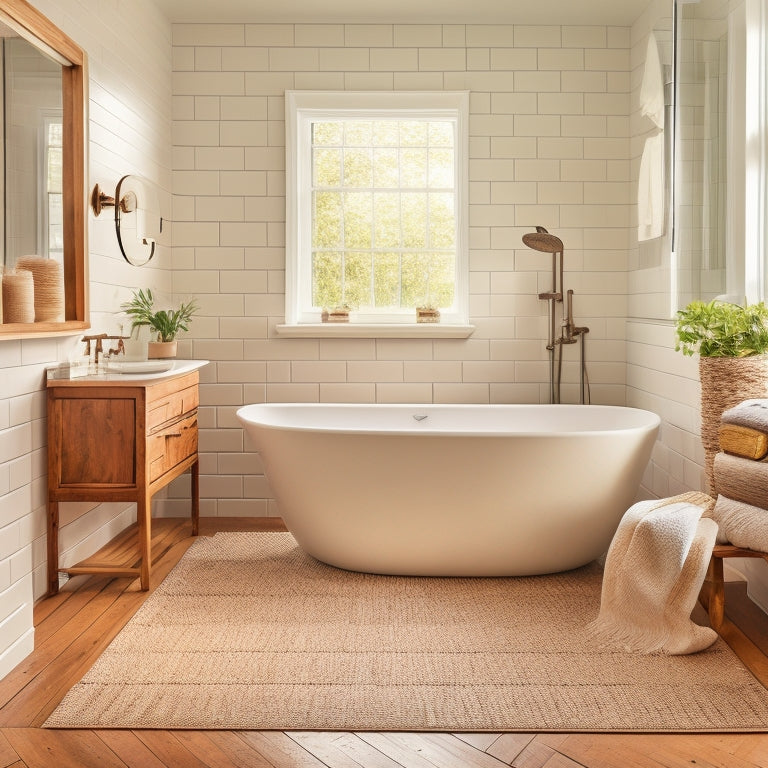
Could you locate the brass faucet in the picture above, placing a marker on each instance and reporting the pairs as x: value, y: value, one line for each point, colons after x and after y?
x: 120, y: 349
x: 99, y: 349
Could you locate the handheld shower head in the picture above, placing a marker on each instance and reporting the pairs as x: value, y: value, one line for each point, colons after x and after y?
x: 544, y: 242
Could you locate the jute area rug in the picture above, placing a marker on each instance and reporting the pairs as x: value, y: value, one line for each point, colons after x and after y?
x: 249, y: 632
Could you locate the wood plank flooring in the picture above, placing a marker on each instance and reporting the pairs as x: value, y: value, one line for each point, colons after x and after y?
x: 73, y: 628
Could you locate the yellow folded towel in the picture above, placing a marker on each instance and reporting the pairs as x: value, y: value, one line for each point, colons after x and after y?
x: 741, y: 479
x: 743, y: 441
x: 740, y: 524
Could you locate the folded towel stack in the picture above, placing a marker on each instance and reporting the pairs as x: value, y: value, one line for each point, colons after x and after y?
x: 741, y: 477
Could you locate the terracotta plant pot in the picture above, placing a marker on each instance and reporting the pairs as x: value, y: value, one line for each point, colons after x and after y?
x: 161, y: 349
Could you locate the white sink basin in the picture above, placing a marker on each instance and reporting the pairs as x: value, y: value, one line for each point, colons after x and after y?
x: 149, y: 369
x: 140, y: 366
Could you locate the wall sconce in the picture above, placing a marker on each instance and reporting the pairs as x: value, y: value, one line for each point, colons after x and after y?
x: 138, y: 222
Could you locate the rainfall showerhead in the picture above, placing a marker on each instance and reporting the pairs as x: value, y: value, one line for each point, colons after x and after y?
x: 543, y: 241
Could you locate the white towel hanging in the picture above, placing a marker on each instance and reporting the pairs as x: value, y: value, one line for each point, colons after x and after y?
x: 652, y: 86
x: 650, y: 189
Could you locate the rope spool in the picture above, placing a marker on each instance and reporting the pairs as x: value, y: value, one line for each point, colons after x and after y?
x: 18, y: 296
x: 48, y: 279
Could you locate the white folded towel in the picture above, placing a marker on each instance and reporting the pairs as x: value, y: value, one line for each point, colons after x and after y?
x: 740, y: 524
x: 751, y: 413
x: 741, y: 479
x: 653, y: 574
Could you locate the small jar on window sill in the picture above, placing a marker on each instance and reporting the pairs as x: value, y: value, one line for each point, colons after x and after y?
x: 427, y: 315
x: 335, y: 315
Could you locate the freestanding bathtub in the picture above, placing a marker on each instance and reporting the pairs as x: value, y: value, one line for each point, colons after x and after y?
x: 452, y: 490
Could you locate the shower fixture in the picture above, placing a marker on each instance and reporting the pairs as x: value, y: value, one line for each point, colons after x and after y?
x: 570, y: 333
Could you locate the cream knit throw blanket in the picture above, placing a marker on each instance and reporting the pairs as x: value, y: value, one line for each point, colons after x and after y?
x: 653, y: 573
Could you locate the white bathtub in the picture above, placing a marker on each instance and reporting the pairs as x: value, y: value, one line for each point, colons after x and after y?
x: 452, y: 490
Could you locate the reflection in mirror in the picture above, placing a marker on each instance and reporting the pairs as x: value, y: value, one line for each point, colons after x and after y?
x: 702, y: 70
x: 655, y: 185
x: 32, y: 130
x: 42, y: 196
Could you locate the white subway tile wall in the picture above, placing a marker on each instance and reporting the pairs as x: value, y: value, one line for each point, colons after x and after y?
x: 549, y: 145
x: 129, y: 52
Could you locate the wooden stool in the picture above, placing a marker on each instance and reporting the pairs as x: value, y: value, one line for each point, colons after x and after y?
x: 716, y: 601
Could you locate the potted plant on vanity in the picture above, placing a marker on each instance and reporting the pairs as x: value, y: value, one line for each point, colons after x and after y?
x: 164, y: 324
x: 732, y: 343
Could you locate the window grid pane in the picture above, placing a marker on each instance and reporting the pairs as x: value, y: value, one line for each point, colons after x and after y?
x: 383, y: 213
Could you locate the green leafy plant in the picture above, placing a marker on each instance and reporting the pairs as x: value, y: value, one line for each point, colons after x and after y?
x: 166, y: 323
x: 722, y: 329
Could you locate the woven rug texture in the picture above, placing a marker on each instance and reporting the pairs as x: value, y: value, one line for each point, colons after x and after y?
x: 249, y: 632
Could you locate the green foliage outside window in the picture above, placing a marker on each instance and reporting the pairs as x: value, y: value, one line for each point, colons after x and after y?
x: 383, y: 213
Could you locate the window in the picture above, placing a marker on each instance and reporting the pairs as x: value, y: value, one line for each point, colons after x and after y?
x: 51, y: 212
x: 376, y: 205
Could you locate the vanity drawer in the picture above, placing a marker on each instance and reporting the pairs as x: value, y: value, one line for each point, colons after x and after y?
x: 172, y: 445
x: 171, y: 406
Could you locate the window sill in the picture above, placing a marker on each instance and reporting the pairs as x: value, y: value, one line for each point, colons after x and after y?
x: 375, y: 331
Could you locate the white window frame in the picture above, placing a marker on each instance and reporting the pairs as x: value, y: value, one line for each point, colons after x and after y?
x: 47, y: 118
x: 302, y: 108
x: 756, y: 149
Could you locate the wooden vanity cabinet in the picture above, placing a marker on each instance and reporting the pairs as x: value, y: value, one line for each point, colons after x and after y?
x: 112, y: 440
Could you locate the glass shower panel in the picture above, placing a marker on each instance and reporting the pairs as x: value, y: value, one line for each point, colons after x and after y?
x: 700, y: 155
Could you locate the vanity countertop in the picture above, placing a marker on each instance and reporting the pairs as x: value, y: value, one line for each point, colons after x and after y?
x: 128, y: 373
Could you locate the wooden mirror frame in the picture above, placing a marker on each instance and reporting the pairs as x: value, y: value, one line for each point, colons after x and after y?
x: 74, y: 82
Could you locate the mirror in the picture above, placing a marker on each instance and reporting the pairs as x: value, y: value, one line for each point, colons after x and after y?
x: 32, y: 149
x: 701, y: 238
x: 653, y: 269
x: 698, y: 252
x: 43, y: 153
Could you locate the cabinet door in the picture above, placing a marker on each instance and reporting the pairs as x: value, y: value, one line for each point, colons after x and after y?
x: 98, y: 443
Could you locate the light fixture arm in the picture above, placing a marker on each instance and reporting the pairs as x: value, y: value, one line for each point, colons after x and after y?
x: 100, y: 200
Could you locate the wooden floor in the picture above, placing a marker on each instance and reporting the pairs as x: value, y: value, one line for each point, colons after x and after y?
x: 73, y: 628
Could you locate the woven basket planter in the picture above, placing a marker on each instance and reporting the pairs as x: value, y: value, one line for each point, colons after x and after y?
x: 725, y: 382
